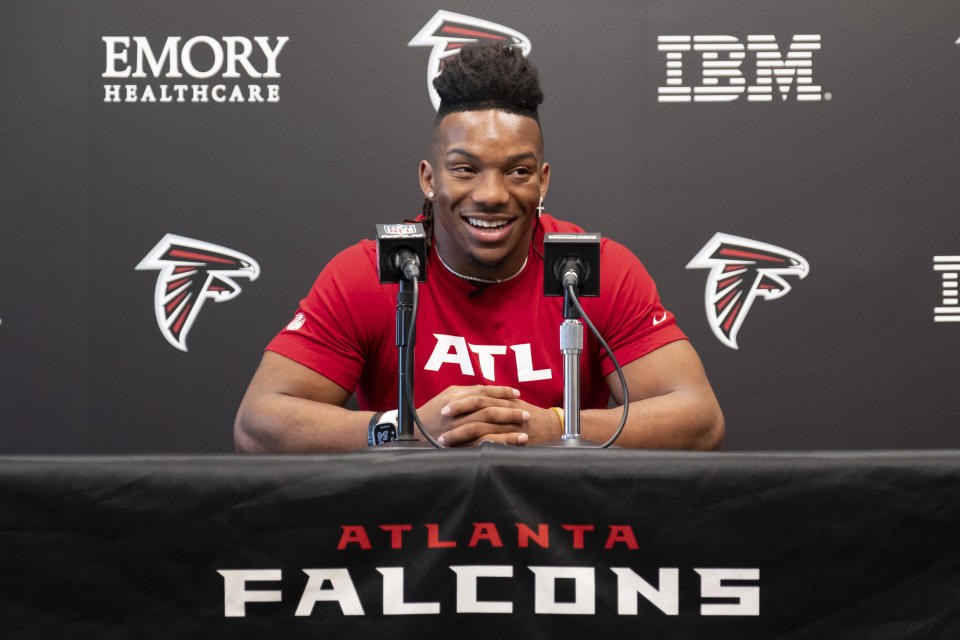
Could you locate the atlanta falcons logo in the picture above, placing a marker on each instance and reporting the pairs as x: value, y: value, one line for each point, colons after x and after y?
x: 740, y: 271
x: 446, y: 32
x: 192, y: 271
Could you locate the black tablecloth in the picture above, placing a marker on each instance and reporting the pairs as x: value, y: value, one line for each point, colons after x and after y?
x: 469, y: 543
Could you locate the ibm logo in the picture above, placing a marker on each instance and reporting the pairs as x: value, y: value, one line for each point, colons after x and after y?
x: 949, y: 269
x: 722, y: 77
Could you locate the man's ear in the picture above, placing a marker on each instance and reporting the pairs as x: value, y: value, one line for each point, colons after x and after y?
x: 544, y: 179
x: 426, y: 179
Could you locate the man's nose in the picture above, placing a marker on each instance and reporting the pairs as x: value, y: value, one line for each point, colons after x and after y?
x: 490, y: 190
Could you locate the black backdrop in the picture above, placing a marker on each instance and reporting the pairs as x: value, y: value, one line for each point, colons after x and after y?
x: 863, y: 184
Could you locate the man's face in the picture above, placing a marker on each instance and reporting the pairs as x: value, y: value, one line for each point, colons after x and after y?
x: 487, y: 174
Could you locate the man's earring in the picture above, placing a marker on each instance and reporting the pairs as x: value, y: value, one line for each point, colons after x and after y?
x: 540, y: 207
x: 430, y: 195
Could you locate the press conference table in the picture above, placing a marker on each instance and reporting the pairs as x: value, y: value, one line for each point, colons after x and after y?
x: 469, y: 543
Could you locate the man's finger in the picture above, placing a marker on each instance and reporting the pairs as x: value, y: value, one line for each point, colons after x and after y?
x: 517, y: 439
x: 472, y: 431
x: 480, y: 397
x: 493, y: 391
x: 500, y: 392
x: 467, y: 412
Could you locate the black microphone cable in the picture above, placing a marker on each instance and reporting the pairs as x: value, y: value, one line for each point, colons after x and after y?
x: 406, y: 383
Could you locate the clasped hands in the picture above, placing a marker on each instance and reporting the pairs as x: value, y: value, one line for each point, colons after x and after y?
x: 464, y: 416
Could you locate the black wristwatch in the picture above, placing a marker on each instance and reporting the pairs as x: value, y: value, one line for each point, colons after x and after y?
x: 383, y: 428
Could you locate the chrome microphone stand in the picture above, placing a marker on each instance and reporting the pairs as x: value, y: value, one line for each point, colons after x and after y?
x: 571, y: 346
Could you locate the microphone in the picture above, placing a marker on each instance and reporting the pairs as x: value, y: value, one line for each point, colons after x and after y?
x: 574, y: 270
x: 571, y: 269
x: 571, y: 258
x: 402, y: 258
x: 407, y: 263
x: 401, y: 252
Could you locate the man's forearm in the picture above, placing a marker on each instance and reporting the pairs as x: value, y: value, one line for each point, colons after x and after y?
x: 279, y: 423
x: 677, y: 420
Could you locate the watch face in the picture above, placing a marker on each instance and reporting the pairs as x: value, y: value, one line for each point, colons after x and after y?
x: 384, y: 433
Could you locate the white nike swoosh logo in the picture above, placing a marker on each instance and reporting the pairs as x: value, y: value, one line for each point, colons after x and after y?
x: 656, y: 322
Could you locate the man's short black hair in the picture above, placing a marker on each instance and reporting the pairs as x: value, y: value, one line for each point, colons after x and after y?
x: 487, y: 75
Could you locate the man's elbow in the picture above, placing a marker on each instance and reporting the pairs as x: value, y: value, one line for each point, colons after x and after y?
x: 244, y: 440
x: 711, y: 437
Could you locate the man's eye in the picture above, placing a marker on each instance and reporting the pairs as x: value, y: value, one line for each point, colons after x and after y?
x: 522, y: 171
x: 462, y: 169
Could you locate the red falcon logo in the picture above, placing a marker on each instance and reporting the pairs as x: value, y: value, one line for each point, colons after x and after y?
x: 741, y: 270
x: 191, y: 272
x: 446, y: 32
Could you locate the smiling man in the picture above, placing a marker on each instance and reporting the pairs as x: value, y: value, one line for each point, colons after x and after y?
x: 487, y: 364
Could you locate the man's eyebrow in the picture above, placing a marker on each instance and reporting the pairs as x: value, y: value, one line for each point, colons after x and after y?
x: 514, y: 158
x: 462, y: 152
x: 521, y: 156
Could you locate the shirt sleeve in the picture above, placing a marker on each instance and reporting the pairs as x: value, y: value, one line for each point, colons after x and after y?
x: 634, y: 322
x: 334, y: 330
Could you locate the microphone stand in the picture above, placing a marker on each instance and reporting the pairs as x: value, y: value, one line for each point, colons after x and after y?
x: 571, y: 345
x: 405, y: 427
x: 401, y: 258
x: 404, y: 356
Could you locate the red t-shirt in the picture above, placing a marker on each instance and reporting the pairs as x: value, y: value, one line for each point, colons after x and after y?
x: 507, y: 335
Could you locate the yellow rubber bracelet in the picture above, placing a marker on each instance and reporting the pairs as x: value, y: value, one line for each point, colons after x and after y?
x: 559, y: 412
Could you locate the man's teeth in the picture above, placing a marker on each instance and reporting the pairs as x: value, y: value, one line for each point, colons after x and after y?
x: 487, y: 224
